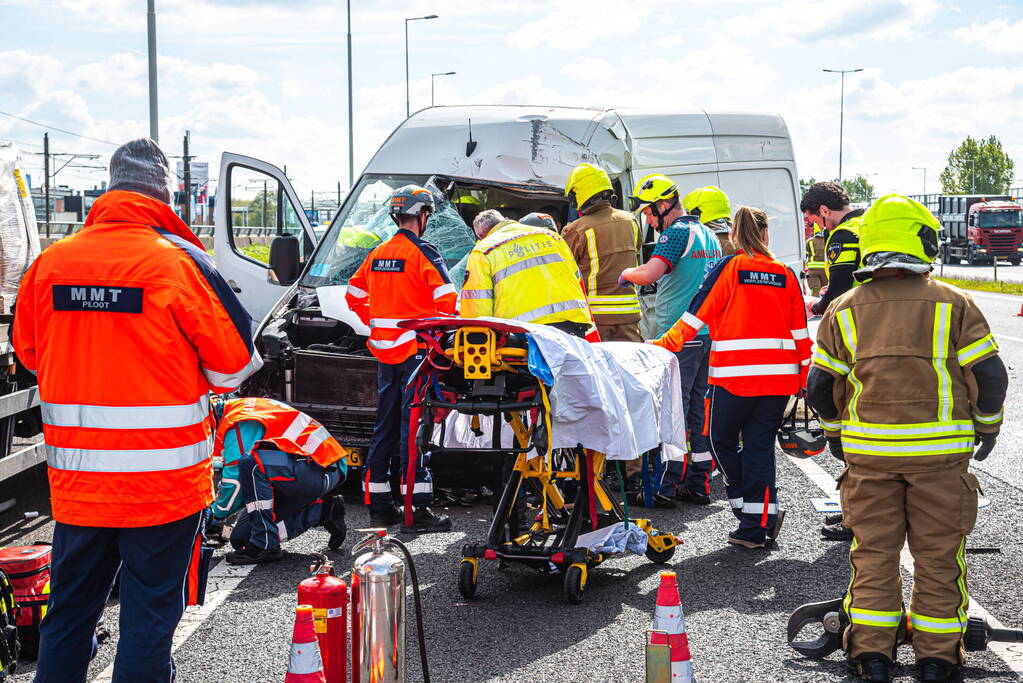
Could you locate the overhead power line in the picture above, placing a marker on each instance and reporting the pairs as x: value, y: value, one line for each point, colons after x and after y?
x: 61, y: 130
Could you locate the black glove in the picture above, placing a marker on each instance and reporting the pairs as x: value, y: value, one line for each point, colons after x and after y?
x: 986, y: 443
x: 816, y: 309
x: 835, y: 446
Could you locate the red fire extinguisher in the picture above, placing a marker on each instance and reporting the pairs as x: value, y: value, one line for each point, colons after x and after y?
x: 328, y: 596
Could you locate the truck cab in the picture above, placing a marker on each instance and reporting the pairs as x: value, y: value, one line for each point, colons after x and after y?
x: 515, y: 159
x: 980, y: 229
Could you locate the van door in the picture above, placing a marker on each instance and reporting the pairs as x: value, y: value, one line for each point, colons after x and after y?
x: 255, y: 203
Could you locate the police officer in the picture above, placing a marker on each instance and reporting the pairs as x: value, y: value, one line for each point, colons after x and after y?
x: 405, y: 277
x: 906, y: 378
x: 816, y: 245
x: 280, y: 469
x: 827, y: 205
x: 604, y: 241
x: 710, y: 204
x: 129, y: 327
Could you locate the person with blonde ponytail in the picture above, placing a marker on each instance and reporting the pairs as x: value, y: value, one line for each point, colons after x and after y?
x: 759, y: 356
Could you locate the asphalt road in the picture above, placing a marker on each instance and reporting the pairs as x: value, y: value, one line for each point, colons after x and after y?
x: 520, y: 628
x: 1006, y: 272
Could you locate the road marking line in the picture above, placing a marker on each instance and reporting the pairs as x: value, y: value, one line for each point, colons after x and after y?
x: 224, y: 578
x: 1010, y: 653
x: 992, y: 295
x: 998, y: 335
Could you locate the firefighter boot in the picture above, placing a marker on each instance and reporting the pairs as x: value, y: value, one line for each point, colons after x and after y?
x: 871, y: 666
x: 687, y: 495
x: 425, y: 520
x: 333, y: 521
x: 389, y: 516
x: 934, y: 669
x: 251, y: 554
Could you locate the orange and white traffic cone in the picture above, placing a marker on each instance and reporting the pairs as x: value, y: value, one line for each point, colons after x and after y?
x: 304, y: 663
x: 668, y: 619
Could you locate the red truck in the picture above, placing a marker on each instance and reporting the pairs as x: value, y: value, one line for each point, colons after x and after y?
x: 980, y: 228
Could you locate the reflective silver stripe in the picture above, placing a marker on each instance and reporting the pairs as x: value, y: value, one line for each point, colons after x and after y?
x: 234, y: 379
x: 477, y: 294
x: 404, y: 338
x: 443, y: 289
x: 125, y: 417
x: 758, y: 508
x: 550, y: 309
x: 925, y: 430
x: 989, y: 419
x: 257, y: 505
x: 755, y: 370
x: 303, y: 658
x: 613, y: 300
x: 702, y: 457
x: 874, y: 618
x: 607, y: 310
x: 831, y: 426
x: 357, y: 293
x: 800, y: 334
x: 912, y: 447
x: 420, y: 487
x: 140, y: 460
x: 385, y: 323
x: 282, y: 533
x: 752, y: 344
x: 525, y: 264
x: 806, y: 361
x: 315, y: 439
x: 294, y: 430
x: 376, y: 487
x: 735, y: 502
x: 693, y: 322
x: 936, y: 625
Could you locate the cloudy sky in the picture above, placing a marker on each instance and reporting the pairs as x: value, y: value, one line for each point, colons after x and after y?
x: 268, y: 79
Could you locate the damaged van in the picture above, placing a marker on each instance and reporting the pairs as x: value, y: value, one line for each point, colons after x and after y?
x: 512, y: 158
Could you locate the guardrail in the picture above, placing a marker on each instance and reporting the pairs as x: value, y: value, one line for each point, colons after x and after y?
x: 63, y: 229
x: 29, y: 456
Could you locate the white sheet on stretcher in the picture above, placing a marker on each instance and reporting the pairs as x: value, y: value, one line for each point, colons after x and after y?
x: 619, y: 398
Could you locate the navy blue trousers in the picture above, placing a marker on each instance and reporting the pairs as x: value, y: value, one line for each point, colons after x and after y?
x: 390, y: 433
x: 748, y: 467
x: 283, y: 497
x: 693, y: 361
x: 154, y: 563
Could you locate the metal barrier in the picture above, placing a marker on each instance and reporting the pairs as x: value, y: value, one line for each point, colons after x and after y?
x: 30, y: 456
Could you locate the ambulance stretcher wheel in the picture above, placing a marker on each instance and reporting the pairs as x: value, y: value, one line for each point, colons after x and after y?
x: 467, y: 580
x: 660, y: 556
x: 574, y: 585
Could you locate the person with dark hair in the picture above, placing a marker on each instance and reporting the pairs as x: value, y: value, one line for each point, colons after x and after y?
x: 827, y: 205
x: 759, y: 356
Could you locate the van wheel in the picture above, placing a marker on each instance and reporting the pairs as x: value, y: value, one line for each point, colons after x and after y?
x: 949, y: 259
x: 1014, y: 260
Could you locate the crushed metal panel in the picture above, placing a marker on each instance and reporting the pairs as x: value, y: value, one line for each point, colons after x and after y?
x: 751, y: 137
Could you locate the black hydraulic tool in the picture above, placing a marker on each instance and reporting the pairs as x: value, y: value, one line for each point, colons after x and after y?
x: 833, y: 622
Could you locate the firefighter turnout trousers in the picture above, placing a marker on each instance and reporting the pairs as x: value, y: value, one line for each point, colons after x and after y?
x: 934, y: 510
x: 283, y: 496
x: 391, y: 433
x: 815, y: 279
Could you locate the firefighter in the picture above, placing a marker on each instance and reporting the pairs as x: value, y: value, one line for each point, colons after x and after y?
x: 524, y: 273
x: 280, y: 467
x: 906, y: 379
x: 686, y: 251
x: 816, y: 273
x: 827, y: 205
x: 405, y: 277
x: 710, y: 204
x: 759, y: 356
x: 604, y: 241
x: 129, y: 326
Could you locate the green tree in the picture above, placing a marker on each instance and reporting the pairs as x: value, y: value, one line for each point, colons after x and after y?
x: 859, y: 188
x: 977, y: 167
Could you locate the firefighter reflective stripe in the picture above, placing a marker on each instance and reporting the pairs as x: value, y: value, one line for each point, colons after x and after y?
x: 376, y: 487
x: 419, y: 487
x: 403, y: 338
x: 702, y: 457
x: 525, y: 264
x: 736, y: 503
x: 848, y: 327
x: 752, y: 344
x: 758, y: 508
x: 693, y: 322
x: 356, y: 293
x: 477, y: 294
x: 923, y: 622
x: 830, y: 426
x: 920, y: 430
x: 591, y: 247
x: 961, y: 580
x: 628, y: 303
x: 906, y: 448
x: 942, y: 322
x: 755, y: 370
x: 977, y: 349
x: 825, y: 360
x: 138, y: 460
x: 443, y: 290
x: 873, y: 617
x: 989, y: 419
x: 233, y: 380
x: 855, y: 400
x: 549, y: 309
x: 800, y: 334
x: 258, y: 505
x: 125, y: 417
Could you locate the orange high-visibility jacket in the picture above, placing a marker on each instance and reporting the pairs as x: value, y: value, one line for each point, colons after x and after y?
x: 289, y: 430
x: 757, y: 320
x: 129, y: 326
x: 403, y: 278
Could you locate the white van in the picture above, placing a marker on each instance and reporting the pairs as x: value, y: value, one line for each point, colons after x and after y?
x: 514, y: 158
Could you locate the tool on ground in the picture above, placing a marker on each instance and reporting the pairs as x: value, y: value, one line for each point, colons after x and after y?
x: 481, y: 368
x: 670, y: 630
x: 28, y: 567
x: 801, y: 440
x: 833, y: 621
x: 378, y: 616
x: 328, y: 596
x: 304, y: 663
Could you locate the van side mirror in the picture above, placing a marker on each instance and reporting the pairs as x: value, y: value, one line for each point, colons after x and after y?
x: 284, y: 261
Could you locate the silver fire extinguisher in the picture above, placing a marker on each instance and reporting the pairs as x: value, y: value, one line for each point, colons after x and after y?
x: 378, y: 610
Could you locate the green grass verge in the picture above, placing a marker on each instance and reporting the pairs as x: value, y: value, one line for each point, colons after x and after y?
x: 1001, y: 287
x: 260, y: 252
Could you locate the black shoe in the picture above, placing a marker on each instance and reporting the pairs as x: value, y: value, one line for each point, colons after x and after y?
x: 871, y: 666
x: 779, y: 519
x: 250, y: 554
x: 333, y: 521
x: 837, y: 532
x: 659, y: 501
x: 934, y: 669
x: 389, y: 516
x: 634, y: 483
x: 833, y: 519
x: 687, y: 495
x: 425, y: 521
x: 735, y: 539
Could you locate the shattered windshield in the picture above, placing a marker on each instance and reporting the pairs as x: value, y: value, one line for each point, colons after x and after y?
x: 364, y: 223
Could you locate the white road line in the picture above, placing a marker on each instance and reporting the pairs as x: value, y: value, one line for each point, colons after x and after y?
x: 224, y: 578
x: 1010, y: 653
x: 990, y: 295
x: 1000, y: 336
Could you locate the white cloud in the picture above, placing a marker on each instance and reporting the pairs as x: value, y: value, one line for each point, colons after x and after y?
x: 587, y: 68
x: 572, y: 27
x: 998, y: 35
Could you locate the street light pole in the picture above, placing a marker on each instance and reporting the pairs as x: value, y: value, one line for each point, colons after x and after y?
x: 921, y: 168
x: 973, y: 175
x: 841, y: 113
x: 432, y: 76
x: 154, y: 125
x: 351, y: 123
x: 408, y: 99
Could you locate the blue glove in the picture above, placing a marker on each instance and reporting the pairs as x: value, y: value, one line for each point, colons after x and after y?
x: 622, y: 282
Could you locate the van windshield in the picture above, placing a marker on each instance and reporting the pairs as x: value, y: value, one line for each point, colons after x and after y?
x: 363, y: 223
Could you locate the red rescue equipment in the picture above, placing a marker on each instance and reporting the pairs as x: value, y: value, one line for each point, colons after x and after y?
x: 328, y: 596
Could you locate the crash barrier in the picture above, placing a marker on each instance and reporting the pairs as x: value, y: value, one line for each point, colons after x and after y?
x: 14, y: 402
x: 480, y: 368
x: 668, y: 659
x: 243, y: 236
